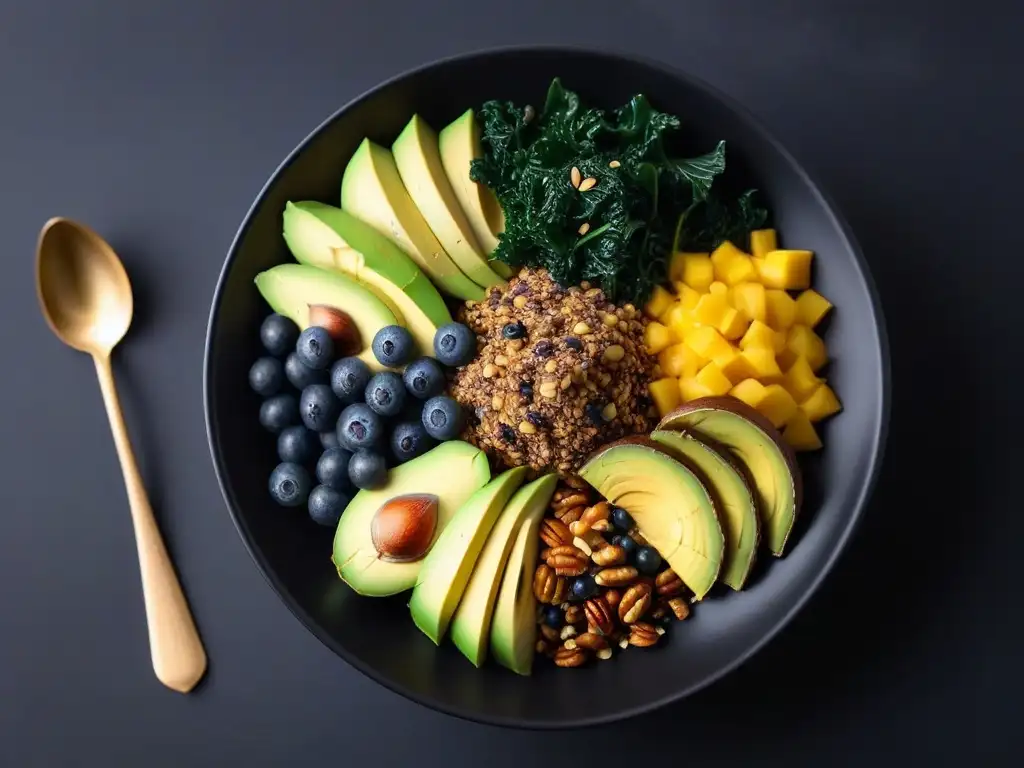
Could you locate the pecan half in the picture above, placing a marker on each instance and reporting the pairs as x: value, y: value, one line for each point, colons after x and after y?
x: 598, y: 513
x: 634, y: 603
x: 572, y: 657
x: 619, y: 576
x: 568, y: 561
x: 571, y: 515
x: 591, y: 641
x: 550, y: 634
x: 599, y: 614
x: 574, y: 614
x: 679, y: 607
x: 577, y: 482
x: 610, y: 555
x: 548, y: 586
x: 567, y: 502
x: 643, y: 635
x: 555, y: 533
x: 612, y: 597
x: 668, y: 583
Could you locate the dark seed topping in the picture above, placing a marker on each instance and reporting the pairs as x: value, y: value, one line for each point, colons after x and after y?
x: 526, y: 389
x: 594, y: 414
x: 535, y: 418
x: 507, y: 433
x: 573, y: 343
x: 544, y: 348
x: 514, y: 331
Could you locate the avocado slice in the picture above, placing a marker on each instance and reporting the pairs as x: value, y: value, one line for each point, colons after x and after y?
x: 471, y: 625
x: 327, y: 237
x: 372, y: 190
x: 459, y: 144
x: 419, y: 164
x: 732, y: 496
x: 668, y: 502
x: 446, y: 570
x: 752, y: 439
x: 290, y: 289
x: 453, y: 471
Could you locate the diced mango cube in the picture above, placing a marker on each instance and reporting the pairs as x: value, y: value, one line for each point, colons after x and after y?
x: 762, y: 242
x: 763, y: 361
x: 711, y: 309
x: 758, y: 266
x: 800, y: 380
x: 737, y: 368
x: 659, y: 301
x: 692, y: 389
x: 665, y: 318
x: 758, y: 335
x: 694, y: 269
x: 688, y: 297
x: 680, y: 361
x: 711, y: 376
x: 733, y: 324
x: 811, y: 308
x: 787, y: 270
x: 731, y: 265
x: 709, y: 344
x: 780, y: 309
x: 801, y: 434
x: 781, y: 338
x: 665, y: 394
x: 748, y: 298
x: 750, y: 391
x: 786, y: 358
x: 803, y: 342
x: 657, y: 337
x: 821, y: 404
x: 718, y: 288
x: 682, y: 324
x: 777, y: 405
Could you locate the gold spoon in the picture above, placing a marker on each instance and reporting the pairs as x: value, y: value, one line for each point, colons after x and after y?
x: 87, y: 302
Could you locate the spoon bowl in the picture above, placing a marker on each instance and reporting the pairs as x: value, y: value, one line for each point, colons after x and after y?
x: 84, y: 290
x: 86, y: 298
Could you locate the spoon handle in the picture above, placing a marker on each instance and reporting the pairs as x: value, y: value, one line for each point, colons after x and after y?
x: 178, y: 656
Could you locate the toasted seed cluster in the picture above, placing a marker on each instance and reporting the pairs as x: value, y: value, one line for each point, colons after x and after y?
x: 559, y: 372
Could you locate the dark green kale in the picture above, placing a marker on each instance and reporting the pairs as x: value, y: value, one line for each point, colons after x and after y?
x: 628, y: 217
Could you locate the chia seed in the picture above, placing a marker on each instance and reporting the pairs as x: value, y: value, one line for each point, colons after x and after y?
x: 526, y: 389
x: 544, y: 348
x: 536, y: 419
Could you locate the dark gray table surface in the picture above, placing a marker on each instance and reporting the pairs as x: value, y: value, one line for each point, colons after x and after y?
x: 158, y: 125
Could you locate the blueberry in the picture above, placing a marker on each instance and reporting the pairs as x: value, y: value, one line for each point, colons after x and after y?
x: 329, y: 439
x: 526, y: 389
x: 385, y: 393
x: 507, y: 433
x: 393, y: 346
x: 648, y: 561
x: 301, y: 375
x: 349, y: 378
x: 297, y: 445
x: 553, y: 616
x: 326, y: 505
x: 409, y: 440
x: 332, y: 468
x: 278, y: 335
x: 266, y: 377
x: 442, y: 418
x: 289, y: 484
x: 627, y: 543
x: 513, y: 330
x: 582, y: 587
x: 573, y: 343
x: 359, y: 427
x: 593, y: 411
x: 544, y: 348
x: 622, y: 520
x: 424, y: 378
x: 278, y: 412
x: 315, y: 347
x: 454, y: 344
x: 367, y: 470
x: 319, y: 407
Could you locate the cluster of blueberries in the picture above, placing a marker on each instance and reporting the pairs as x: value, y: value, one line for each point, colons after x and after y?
x: 343, y: 424
x: 645, y: 559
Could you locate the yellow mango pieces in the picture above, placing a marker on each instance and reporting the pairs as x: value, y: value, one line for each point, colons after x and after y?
x: 659, y: 301
x: 709, y: 343
x: 800, y: 380
x: 749, y: 298
x: 811, y: 308
x: 800, y: 433
x: 680, y: 361
x: 821, y: 404
x: 786, y: 270
x: 758, y: 335
x: 694, y: 269
x: 777, y: 405
x: 711, y: 376
x: 657, y: 337
x: 665, y: 394
x: 763, y: 242
x: 780, y: 309
x: 804, y: 342
x: 731, y: 265
x: 750, y: 391
x: 764, y: 363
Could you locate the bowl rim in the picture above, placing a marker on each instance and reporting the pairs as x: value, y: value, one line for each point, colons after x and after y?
x: 839, y: 544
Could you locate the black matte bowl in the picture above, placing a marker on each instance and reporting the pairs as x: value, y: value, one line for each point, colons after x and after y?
x: 377, y: 636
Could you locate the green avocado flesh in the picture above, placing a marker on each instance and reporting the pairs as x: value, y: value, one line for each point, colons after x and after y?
x: 669, y: 504
x: 327, y: 237
x: 453, y: 471
x: 733, y: 500
x: 419, y: 164
x: 372, y: 190
x: 459, y: 143
x: 290, y: 289
x: 471, y: 626
x: 775, y: 475
x: 446, y: 570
